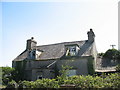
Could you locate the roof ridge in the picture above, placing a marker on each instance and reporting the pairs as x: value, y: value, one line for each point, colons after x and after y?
x: 61, y: 43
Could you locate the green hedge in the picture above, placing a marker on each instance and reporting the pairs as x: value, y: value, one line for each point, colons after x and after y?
x: 104, y: 81
x: 43, y: 83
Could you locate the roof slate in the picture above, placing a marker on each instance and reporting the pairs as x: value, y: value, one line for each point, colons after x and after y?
x: 56, y: 51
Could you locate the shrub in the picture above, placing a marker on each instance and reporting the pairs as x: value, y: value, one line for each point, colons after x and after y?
x: 24, y: 84
x: 104, y: 81
x: 112, y: 54
x: 46, y: 83
x: 7, y: 74
x: 101, y: 54
x: 12, y: 84
x: 83, y: 82
x: 40, y: 83
x: 118, y: 67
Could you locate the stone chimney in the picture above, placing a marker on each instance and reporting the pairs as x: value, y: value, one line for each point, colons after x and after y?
x: 91, y: 36
x: 31, y: 43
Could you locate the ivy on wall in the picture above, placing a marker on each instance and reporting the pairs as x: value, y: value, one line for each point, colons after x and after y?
x: 20, y: 69
x: 90, y: 65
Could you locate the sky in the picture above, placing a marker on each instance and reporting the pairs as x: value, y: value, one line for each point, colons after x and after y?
x: 54, y: 22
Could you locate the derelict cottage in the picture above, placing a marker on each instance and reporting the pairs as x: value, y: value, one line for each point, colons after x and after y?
x: 45, y: 61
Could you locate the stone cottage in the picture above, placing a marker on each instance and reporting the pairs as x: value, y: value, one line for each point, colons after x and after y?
x: 46, y: 61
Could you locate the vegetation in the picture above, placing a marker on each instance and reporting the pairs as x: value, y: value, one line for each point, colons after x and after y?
x: 7, y: 74
x: 20, y: 67
x: 112, y: 54
x: 40, y: 83
x: 101, y: 54
x: 12, y: 84
x: 81, y: 81
x: 118, y: 68
x: 108, y: 81
x: 12, y: 78
x: 90, y: 65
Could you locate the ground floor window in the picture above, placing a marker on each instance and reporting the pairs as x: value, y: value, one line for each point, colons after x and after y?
x: 71, y: 72
x: 39, y: 77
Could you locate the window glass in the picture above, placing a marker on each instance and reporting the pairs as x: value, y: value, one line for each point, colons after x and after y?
x: 72, y: 50
x: 71, y: 72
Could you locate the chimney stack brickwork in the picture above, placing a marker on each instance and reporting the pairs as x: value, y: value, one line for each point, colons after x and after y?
x: 91, y: 35
x: 31, y: 43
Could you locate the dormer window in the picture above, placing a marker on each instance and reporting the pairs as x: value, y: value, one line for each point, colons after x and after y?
x: 38, y: 53
x: 72, y: 50
x: 34, y: 54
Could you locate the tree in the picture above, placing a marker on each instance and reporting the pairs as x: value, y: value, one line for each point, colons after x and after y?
x: 64, y: 73
x: 7, y: 74
x: 112, y: 54
x: 100, y: 54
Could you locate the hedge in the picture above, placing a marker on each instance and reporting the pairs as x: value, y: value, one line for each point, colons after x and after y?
x: 104, y: 81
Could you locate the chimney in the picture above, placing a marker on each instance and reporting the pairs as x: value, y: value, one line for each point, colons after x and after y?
x: 91, y: 36
x: 31, y: 43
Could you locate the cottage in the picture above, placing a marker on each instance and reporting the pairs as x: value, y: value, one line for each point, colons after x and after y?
x: 46, y: 61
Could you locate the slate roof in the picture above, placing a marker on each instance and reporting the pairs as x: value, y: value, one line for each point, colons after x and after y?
x: 56, y: 51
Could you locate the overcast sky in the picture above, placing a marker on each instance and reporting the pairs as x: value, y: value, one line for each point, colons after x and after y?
x: 55, y: 22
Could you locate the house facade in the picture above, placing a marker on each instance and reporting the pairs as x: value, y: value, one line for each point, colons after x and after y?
x: 46, y: 61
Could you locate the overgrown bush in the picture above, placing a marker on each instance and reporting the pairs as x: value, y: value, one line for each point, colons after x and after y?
x: 25, y: 84
x: 7, y: 74
x: 12, y: 84
x: 101, y: 54
x: 40, y: 83
x: 104, y: 81
x: 112, y: 54
x: 81, y: 81
x: 46, y: 83
x: 118, y: 68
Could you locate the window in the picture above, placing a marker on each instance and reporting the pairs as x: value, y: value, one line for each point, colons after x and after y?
x: 39, y: 77
x: 34, y: 54
x: 72, y: 50
x: 38, y: 53
x: 71, y: 72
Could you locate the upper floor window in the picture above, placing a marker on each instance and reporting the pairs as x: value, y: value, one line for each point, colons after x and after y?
x: 34, y: 54
x: 72, y: 50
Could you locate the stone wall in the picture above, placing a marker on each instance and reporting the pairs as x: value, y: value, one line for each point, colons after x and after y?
x: 80, y: 65
x: 42, y: 73
x: 37, y: 69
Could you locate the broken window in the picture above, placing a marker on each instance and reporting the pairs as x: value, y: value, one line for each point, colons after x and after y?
x: 34, y: 54
x: 40, y: 74
x: 39, y: 77
x: 72, y: 50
